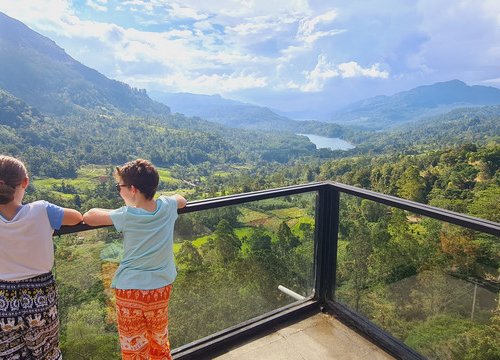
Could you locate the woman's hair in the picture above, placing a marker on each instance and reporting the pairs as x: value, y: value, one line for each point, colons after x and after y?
x: 12, y: 174
x: 140, y: 173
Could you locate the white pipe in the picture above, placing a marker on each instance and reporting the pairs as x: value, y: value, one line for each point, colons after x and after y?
x: 290, y: 293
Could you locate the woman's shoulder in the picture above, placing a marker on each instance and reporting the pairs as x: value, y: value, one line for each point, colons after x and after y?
x: 35, y: 208
x: 38, y: 204
x: 42, y: 204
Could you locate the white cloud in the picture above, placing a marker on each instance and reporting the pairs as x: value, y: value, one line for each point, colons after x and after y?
x: 317, y: 78
x: 495, y: 81
x: 160, y: 8
x: 313, y: 37
x: 308, y: 31
x: 203, y: 25
x: 37, y: 12
x: 491, y: 8
x: 184, y: 12
x: 219, y: 58
x: 307, y: 26
x: 324, y: 71
x: 353, y: 69
x: 229, y: 45
x: 57, y: 17
x: 146, y: 6
x: 98, y: 5
x: 267, y: 25
x: 251, y: 28
x: 201, y: 83
x: 244, y: 9
x: 463, y: 43
x: 292, y: 51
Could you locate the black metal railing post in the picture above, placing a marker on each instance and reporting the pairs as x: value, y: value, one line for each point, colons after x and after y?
x: 326, y: 239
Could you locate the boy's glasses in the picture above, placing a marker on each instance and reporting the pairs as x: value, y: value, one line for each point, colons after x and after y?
x: 119, y: 187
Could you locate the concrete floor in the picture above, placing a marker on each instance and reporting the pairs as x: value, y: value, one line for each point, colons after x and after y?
x: 318, y: 337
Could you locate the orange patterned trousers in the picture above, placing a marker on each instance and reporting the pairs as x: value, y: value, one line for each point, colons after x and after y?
x: 143, y: 323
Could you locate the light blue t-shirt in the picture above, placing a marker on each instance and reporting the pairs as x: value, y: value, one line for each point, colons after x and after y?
x: 148, y: 239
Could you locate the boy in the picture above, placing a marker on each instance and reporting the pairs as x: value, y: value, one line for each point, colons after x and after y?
x: 143, y: 280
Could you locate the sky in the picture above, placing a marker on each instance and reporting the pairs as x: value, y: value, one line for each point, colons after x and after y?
x: 302, y: 58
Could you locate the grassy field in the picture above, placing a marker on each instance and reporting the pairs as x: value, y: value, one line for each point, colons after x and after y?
x: 272, y: 219
x: 167, y: 178
x: 89, y: 176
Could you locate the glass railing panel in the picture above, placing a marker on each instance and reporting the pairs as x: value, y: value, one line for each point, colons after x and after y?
x: 232, y: 260
x: 431, y: 284
x: 234, y: 263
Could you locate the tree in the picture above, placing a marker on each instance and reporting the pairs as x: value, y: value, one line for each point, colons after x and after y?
x: 411, y: 185
x: 259, y: 241
x: 227, y: 244
x: 354, y: 269
x: 483, y: 342
x: 459, y: 245
x: 189, y: 257
x: 286, y: 240
x: 486, y: 204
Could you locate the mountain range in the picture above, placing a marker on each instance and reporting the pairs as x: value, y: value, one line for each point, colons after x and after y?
x: 383, y: 112
x: 37, y: 71
x: 223, y: 111
x: 40, y: 73
x: 376, y: 113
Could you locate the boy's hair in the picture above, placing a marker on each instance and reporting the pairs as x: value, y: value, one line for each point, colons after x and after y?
x: 142, y: 174
x: 12, y: 174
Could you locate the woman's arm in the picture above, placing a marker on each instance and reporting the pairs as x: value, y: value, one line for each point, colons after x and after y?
x: 96, y: 217
x: 71, y: 217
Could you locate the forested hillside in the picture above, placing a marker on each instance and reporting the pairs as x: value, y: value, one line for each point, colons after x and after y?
x: 241, y: 115
x: 465, y: 125
x: 39, y: 72
x: 57, y: 146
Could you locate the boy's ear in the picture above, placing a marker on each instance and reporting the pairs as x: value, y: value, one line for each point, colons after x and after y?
x: 25, y: 182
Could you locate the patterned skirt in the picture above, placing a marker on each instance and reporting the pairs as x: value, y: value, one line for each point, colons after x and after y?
x: 29, y: 324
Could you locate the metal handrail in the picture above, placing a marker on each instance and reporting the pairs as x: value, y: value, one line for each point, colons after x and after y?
x: 469, y: 222
x: 212, y: 203
x: 449, y: 216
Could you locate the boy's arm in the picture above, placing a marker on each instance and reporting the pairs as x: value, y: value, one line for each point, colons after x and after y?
x: 181, y: 201
x: 96, y: 217
x: 71, y: 217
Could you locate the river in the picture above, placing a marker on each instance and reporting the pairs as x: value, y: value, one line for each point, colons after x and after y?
x: 329, y: 143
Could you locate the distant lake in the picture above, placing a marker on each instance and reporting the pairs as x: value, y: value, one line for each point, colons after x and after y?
x: 329, y: 143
